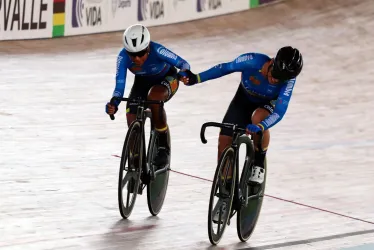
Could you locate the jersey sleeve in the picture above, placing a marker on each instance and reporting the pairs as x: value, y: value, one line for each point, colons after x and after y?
x: 239, y: 64
x: 280, y: 106
x: 171, y: 58
x: 121, y: 72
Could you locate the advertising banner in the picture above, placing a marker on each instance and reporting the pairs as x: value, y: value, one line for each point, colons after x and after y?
x: 153, y: 12
x: 86, y: 16
x: 186, y: 10
x: 25, y: 19
x: 21, y: 19
x: 122, y: 14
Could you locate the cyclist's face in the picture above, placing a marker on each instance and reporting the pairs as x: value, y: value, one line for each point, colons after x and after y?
x: 140, y: 57
x: 270, y: 78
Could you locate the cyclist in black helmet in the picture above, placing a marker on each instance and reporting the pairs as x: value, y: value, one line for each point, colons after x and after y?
x: 287, y: 64
x: 262, y: 97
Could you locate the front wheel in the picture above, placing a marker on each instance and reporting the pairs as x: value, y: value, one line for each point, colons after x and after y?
x: 129, y: 175
x: 219, y: 215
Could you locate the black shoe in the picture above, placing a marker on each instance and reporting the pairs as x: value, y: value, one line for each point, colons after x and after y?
x: 162, y: 157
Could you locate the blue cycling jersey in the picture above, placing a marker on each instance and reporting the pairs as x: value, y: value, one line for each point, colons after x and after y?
x: 158, y: 63
x: 259, y: 89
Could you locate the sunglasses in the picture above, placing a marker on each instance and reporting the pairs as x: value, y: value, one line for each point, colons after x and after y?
x: 138, y: 54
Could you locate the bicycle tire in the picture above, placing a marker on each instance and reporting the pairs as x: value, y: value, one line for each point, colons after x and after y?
x: 247, y: 217
x: 227, y: 154
x: 135, y: 130
x: 157, y: 188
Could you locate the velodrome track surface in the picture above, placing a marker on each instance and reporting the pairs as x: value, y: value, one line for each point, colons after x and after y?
x: 58, y: 178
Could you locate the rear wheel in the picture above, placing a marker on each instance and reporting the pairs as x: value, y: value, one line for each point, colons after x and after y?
x: 248, y: 215
x: 129, y: 175
x: 156, y: 189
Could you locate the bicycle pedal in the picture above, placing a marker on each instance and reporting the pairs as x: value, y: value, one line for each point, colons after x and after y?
x: 233, y: 212
x: 145, y: 178
x: 141, y: 188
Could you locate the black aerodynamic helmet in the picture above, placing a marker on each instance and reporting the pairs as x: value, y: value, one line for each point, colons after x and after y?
x: 287, y: 64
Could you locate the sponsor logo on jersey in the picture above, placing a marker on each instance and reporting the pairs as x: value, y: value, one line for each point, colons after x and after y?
x: 244, y: 58
x: 272, y: 119
x: 166, y: 53
x: 269, y: 108
x: 155, y: 7
x: 289, y: 87
x: 256, y: 94
x: 119, y: 59
x: 254, y: 80
x: 117, y: 94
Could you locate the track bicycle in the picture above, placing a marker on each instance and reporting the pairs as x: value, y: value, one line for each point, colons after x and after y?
x: 140, y: 172
x: 242, y: 197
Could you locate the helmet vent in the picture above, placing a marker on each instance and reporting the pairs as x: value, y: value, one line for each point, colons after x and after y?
x: 134, y: 41
x: 141, y: 41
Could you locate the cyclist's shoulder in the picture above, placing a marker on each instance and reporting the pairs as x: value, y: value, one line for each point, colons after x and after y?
x: 122, y: 57
x: 162, y: 50
x: 123, y: 54
x: 155, y: 45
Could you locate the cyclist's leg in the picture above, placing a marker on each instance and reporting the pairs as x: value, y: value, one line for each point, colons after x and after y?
x: 258, y: 116
x: 258, y: 171
x: 239, y: 112
x: 139, y: 89
x: 163, y: 90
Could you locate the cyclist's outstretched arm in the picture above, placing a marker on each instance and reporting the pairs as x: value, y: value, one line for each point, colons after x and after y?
x: 280, y: 106
x: 239, y: 64
x: 121, y: 72
x: 171, y: 58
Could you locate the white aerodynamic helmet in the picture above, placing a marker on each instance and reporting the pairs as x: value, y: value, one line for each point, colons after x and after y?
x: 136, y: 38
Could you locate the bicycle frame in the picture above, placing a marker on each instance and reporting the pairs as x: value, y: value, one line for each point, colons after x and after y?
x: 237, y: 132
x: 141, y: 115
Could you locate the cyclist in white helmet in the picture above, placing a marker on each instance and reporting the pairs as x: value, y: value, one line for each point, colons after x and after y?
x: 156, y: 78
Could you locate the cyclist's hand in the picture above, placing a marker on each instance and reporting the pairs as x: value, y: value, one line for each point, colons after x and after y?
x: 111, y: 109
x: 253, y: 129
x: 183, y: 76
x: 187, y: 77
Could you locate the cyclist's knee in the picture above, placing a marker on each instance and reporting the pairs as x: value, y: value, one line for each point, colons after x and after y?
x: 158, y: 93
x: 259, y: 115
x: 223, y: 142
x: 130, y: 118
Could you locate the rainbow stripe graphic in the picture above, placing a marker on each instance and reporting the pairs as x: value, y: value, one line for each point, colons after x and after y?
x: 58, y: 18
